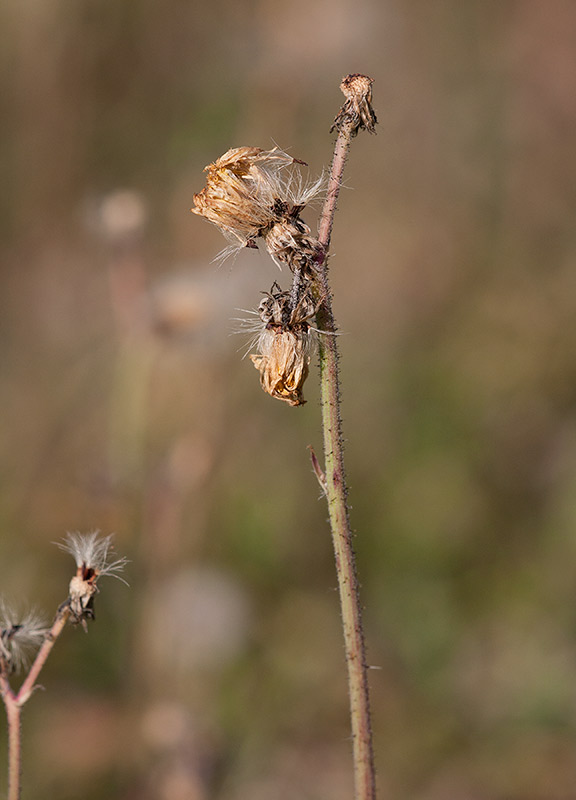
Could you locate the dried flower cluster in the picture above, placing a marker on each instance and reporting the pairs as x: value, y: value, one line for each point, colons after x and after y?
x: 253, y: 194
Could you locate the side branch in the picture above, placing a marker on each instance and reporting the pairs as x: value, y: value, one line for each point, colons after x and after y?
x: 29, y: 683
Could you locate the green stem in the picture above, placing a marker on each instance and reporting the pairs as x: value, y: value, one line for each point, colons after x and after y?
x: 364, y: 771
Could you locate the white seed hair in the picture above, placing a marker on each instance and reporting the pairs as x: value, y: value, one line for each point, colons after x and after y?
x: 20, y: 635
x: 92, y: 551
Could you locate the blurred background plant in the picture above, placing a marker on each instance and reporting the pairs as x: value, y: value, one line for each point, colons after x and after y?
x: 126, y: 407
x: 26, y: 641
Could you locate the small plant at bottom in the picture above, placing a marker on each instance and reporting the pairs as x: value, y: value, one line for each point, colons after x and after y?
x: 22, y: 635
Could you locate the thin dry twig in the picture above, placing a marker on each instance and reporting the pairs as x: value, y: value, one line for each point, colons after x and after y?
x: 318, y: 471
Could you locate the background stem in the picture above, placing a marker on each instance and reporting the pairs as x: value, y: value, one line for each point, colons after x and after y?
x: 364, y: 771
x: 14, y: 741
x: 30, y: 681
x: 14, y: 750
x: 14, y: 702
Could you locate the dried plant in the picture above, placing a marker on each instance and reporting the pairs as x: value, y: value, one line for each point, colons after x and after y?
x: 249, y: 197
x: 251, y: 194
x: 285, y: 342
x: 20, y: 635
x: 91, y: 554
x: 23, y: 634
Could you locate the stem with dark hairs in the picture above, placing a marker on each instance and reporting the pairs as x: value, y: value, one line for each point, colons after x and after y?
x: 335, y: 489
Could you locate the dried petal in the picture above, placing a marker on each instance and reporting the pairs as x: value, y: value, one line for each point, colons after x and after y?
x: 284, y: 364
x: 240, y: 192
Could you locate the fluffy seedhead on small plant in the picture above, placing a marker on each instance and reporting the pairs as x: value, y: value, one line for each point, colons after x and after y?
x: 22, y: 634
x: 92, y: 555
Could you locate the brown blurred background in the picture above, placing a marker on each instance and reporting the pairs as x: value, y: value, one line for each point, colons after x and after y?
x: 126, y: 405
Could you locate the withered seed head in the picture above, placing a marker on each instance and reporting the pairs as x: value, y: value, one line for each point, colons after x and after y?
x: 357, y: 89
x: 285, y: 344
x: 247, y: 197
x: 228, y: 198
x: 239, y: 193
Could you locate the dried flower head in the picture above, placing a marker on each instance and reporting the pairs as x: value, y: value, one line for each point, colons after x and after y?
x: 357, y: 89
x: 20, y: 635
x: 251, y: 193
x: 285, y: 342
x: 91, y: 552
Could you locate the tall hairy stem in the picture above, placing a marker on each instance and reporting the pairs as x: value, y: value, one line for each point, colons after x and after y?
x: 348, y: 123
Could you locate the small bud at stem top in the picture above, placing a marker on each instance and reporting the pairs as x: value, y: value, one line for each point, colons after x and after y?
x: 357, y: 111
